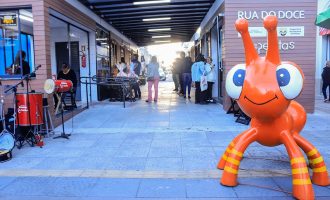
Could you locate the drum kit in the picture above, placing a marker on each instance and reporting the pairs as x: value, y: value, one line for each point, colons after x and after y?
x: 28, y: 114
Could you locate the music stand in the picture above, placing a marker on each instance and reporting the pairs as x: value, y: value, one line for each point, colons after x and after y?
x: 63, y: 134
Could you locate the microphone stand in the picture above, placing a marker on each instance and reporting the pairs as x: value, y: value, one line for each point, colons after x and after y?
x: 63, y: 134
x: 29, y: 137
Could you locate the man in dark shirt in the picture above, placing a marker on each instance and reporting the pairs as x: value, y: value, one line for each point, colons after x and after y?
x: 25, y: 65
x: 326, y: 81
x: 68, y: 74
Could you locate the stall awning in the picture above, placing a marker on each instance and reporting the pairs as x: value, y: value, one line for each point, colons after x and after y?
x: 323, y: 19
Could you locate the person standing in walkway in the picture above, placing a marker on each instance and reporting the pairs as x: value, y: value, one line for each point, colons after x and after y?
x: 136, y: 65
x: 210, y: 67
x: 180, y: 70
x: 326, y: 81
x: 175, y: 75
x: 197, y: 70
x: 186, y: 76
x: 121, y: 68
x: 153, y: 78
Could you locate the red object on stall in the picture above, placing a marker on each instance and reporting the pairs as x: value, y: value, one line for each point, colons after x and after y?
x: 83, y: 61
x: 324, y: 31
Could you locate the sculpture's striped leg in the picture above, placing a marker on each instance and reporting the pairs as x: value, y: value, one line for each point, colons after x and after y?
x: 222, y: 162
x: 320, y: 173
x: 229, y: 176
x: 302, y: 186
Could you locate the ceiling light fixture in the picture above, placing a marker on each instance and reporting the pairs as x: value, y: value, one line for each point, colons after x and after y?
x: 161, y: 36
x: 150, y: 2
x: 157, y: 19
x: 163, y: 41
x: 159, y: 29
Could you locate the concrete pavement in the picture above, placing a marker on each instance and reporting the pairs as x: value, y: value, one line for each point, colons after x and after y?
x: 164, y: 150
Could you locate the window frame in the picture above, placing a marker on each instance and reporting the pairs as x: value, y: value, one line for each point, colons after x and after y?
x: 19, y: 36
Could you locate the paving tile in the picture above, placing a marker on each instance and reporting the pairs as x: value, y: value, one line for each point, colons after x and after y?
x: 21, y: 163
x: 165, y: 152
x: 264, y: 163
x: 208, y: 188
x: 162, y: 188
x: 29, y: 186
x: 133, y: 151
x: 89, y: 162
x: 198, y: 152
x: 55, y: 163
x: 4, y: 181
x: 285, y: 183
x: 164, y: 164
x: 199, y: 163
x: 77, y: 186
x: 125, y: 163
x: 258, y: 187
x: 115, y: 188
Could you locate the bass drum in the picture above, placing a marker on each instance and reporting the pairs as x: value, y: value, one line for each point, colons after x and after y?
x: 7, y: 144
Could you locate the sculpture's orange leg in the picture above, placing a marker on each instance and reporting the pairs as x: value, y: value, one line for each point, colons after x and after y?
x: 229, y: 176
x: 320, y: 173
x: 302, y: 186
x: 222, y: 162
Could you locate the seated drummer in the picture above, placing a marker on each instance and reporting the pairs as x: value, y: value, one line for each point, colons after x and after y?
x: 68, y: 74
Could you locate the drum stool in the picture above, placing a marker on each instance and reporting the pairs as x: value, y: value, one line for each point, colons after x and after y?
x: 48, y: 123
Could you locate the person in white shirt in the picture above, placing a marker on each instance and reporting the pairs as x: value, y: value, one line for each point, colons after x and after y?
x: 210, y: 78
x: 121, y: 68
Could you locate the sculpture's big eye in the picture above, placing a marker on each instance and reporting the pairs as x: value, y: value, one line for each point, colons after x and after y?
x: 234, y: 81
x: 290, y: 80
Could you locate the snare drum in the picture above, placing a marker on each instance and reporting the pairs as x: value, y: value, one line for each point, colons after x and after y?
x: 36, y: 112
x: 58, y: 86
x: 7, y: 144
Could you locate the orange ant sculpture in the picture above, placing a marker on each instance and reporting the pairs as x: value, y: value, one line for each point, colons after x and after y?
x: 264, y: 88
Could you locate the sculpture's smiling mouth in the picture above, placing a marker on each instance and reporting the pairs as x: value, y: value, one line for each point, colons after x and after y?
x: 259, y: 104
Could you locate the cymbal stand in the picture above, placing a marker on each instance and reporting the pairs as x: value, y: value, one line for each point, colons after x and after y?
x: 3, y: 118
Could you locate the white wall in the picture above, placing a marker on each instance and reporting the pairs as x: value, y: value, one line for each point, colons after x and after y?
x: 320, y: 50
x: 59, y: 34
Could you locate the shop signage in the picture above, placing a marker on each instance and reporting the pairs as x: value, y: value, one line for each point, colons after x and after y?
x: 284, y: 31
x: 281, y: 14
x: 283, y: 46
x: 8, y: 20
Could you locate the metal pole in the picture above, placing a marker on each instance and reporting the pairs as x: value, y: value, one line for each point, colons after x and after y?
x: 87, y: 93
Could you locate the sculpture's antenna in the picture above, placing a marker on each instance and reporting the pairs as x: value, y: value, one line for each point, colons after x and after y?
x: 273, y: 53
x: 242, y: 27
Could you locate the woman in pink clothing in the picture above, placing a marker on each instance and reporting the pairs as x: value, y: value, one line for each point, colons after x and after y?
x: 153, y: 78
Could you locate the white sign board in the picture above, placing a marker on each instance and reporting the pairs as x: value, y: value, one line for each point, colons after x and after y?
x: 282, y: 31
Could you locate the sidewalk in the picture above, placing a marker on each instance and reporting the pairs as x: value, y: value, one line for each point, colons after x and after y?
x: 167, y: 150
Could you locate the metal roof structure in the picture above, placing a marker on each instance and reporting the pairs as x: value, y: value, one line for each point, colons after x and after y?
x: 176, y: 20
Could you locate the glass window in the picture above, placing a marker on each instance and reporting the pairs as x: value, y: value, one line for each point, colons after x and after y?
x: 16, y: 43
x: 103, y: 53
